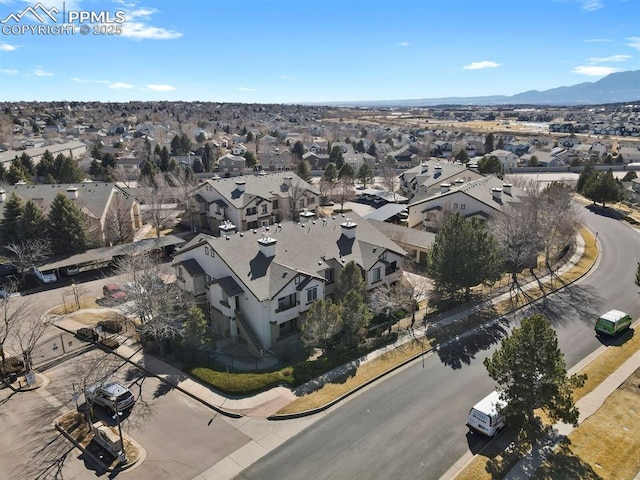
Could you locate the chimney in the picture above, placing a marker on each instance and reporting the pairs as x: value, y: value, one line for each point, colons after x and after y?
x: 425, y: 168
x: 497, y: 193
x: 240, y: 184
x: 287, y: 180
x: 472, y: 166
x: 444, y: 187
x: 349, y: 229
x: 307, y: 215
x: 506, y: 188
x: 267, y: 246
x: 72, y: 193
x: 227, y: 228
x: 459, y: 181
x: 3, y: 195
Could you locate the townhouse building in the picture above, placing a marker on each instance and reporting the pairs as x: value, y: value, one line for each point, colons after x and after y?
x: 252, y: 201
x: 257, y: 286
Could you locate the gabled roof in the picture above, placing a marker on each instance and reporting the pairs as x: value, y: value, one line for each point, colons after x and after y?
x: 256, y: 186
x: 307, y: 247
x: 93, y: 197
x: 480, y: 190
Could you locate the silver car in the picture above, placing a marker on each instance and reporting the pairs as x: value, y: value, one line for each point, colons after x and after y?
x: 112, y: 396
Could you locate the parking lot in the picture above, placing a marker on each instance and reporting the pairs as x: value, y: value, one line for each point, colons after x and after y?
x: 181, y: 437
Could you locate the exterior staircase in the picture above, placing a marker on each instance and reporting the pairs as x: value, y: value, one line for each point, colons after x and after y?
x: 254, y: 341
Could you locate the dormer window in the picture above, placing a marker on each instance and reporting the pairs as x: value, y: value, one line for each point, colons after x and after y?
x: 299, y: 279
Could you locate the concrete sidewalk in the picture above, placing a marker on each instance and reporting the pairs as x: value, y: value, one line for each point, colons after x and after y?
x: 587, y: 405
x: 268, y: 435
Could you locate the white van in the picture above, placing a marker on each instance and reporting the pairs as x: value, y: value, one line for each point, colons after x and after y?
x: 484, y: 417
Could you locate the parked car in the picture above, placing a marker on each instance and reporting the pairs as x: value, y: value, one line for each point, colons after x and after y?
x: 45, y: 277
x: 115, y: 292
x: 112, y: 396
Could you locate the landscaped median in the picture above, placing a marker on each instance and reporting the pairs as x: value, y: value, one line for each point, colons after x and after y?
x: 74, y: 426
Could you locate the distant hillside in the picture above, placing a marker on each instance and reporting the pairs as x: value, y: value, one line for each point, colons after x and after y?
x: 615, y: 87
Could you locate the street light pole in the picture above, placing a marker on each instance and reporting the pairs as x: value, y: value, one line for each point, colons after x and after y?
x: 122, y: 455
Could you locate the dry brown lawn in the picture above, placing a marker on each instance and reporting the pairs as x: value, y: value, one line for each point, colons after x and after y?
x: 606, y: 445
x: 72, y: 306
x: 76, y: 426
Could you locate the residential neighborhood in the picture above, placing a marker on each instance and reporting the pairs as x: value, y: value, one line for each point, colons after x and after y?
x: 237, y: 241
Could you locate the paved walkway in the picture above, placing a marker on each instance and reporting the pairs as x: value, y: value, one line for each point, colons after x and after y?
x: 269, y: 435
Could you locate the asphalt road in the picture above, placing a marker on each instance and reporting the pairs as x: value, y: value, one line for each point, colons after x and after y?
x: 412, y: 425
x: 182, y: 437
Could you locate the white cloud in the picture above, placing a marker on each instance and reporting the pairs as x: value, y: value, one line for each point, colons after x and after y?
x: 611, y: 58
x: 246, y: 89
x: 404, y: 44
x: 39, y: 72
x: 141, y: 31
x: 594, y: 70
x: 87, y: 80
x: 9, y: 71
x: 160, y: 88
x: 634, y: 42
x: 120, y: 86
x: 481, y: 65
x: 590, y: 5
x: 141, y: 12
x: 288, y: 77
x: 5, y: 47
x: 597, y: 40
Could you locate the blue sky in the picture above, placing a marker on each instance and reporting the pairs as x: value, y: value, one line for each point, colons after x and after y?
x: 293, y: 51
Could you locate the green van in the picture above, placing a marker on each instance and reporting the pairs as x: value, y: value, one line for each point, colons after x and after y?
x: 612, y: 323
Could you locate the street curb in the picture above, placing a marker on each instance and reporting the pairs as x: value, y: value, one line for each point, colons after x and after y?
x: 177, y: 387
x: 142, y: 453
x: 306, y: 413
x: 148, y: 372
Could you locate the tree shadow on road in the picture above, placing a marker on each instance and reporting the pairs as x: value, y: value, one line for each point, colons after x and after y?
x: 460, y: 342
x: 574, y: 301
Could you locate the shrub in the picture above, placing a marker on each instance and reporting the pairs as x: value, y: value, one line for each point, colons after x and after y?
x: 89, y: 334
x: 111, y: 343
x: 14, y: 365
x: 110, y: 326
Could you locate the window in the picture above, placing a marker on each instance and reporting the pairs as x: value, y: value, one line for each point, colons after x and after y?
x: 285, y: 303
x: 299, y: 279
x: 328, y: 275
x: 302, y: 203
x: 252, y: 225
x: 462, y: 206
x: 376, y: 274
x: 275, y: 205
x: 312, y: 294
x: 206, y: 250
x: 455, y: 206
x: 252, y: 211
x: 264, y: 208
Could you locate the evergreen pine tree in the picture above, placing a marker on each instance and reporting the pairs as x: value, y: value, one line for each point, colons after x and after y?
x: 67, y: 226
x: 10, y: 223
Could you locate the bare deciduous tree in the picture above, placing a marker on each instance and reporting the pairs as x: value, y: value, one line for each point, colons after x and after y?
x: 160, y: 305
x: 27, y: 336
x: 155, y: 195
x: 119, y: 222
x: 13, y: 312
x: 184, y: 185
x: 390, y: 179
x: 27, y: 252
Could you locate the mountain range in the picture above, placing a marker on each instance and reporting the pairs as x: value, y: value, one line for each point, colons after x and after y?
x: 614, y: 88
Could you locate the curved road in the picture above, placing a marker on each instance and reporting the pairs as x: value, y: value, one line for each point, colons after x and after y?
x: 412, y: 424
